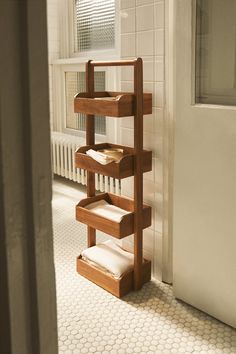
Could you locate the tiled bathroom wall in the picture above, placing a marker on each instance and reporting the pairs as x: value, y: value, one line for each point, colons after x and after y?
x: 142, y: 34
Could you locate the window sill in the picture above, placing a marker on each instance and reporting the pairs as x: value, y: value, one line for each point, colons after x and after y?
x: 81, y: 60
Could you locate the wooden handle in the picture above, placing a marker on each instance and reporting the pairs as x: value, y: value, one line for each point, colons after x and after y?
x: 114, y: 62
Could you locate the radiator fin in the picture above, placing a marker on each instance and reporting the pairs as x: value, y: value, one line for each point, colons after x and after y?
x: 63, y: 163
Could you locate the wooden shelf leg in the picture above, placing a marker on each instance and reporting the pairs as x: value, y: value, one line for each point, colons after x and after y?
x: 91, y: 236
x: 90, y: 140
x: 138, y: 175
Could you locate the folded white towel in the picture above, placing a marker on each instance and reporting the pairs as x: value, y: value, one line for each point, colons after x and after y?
x: 109, y: 257
x: 109, y: 211
x: 100, y: 157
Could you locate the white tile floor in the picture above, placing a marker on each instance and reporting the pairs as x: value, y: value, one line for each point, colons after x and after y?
x: 90, y: 320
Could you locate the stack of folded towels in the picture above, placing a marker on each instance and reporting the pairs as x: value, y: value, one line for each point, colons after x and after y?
x: 109, y: 257
x: 109, y: 211
x: 100, y: 157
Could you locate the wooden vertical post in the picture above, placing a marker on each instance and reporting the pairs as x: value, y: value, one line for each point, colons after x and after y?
x: 90, y: 140
x: 138, y: 175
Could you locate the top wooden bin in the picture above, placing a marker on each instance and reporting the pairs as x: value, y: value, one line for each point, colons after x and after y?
x: 114, y: 104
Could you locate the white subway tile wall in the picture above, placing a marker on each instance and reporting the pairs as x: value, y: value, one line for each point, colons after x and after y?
x: 159, y: 42
x: 125, y: 4
x: 143, y: 2
x: 145, y: 43
x: 159, y: 15
x: 142, y: 34
x: 144, y: 18
x: 128, y: 44
x: 127, y: 26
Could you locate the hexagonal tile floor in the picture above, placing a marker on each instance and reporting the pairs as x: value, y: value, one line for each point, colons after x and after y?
x: 90, y: 320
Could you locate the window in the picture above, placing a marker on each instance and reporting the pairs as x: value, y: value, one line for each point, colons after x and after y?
x: 94, y: 25
x: 88, y: 31
x: 74, y: 83
x: 216, y: 52
x: 68, y: 80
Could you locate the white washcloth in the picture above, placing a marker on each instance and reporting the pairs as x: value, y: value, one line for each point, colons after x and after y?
x: 100, y: 157
x: 109, y: 257
x: 109, y: 211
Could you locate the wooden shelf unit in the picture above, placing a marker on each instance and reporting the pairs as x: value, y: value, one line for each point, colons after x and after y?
x: 118, y: 287
x: 122, y: 169
x: 135, y: 162
x: 116, y: 229
x: 113, y: 104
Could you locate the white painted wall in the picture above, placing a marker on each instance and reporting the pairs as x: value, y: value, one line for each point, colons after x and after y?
x: 142, y: 34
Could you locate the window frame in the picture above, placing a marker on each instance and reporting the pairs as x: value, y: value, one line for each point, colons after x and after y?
x: 208, y: 96
x: 67, y: 46
x: 76, y: 62
x: 60, y: 67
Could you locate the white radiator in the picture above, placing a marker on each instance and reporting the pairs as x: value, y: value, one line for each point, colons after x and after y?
x: 63, y: 163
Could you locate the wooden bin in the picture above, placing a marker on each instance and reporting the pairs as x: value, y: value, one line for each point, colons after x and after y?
x: 117, y: 229
x: 118, y: 287
x: 122, y: 169
x: 114, y: 104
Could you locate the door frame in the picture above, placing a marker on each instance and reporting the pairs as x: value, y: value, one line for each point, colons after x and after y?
x: 168, y: 142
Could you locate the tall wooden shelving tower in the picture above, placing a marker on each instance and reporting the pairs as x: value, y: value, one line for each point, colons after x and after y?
x: 135, y: 162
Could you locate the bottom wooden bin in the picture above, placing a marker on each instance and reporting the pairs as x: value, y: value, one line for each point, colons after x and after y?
x: 118, y: 287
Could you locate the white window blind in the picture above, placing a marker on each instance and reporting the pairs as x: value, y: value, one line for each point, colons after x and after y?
x: 94, y: 25
x: 75, y: 82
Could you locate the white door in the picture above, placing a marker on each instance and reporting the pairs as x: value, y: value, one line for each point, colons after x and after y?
x: 204, y: 225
